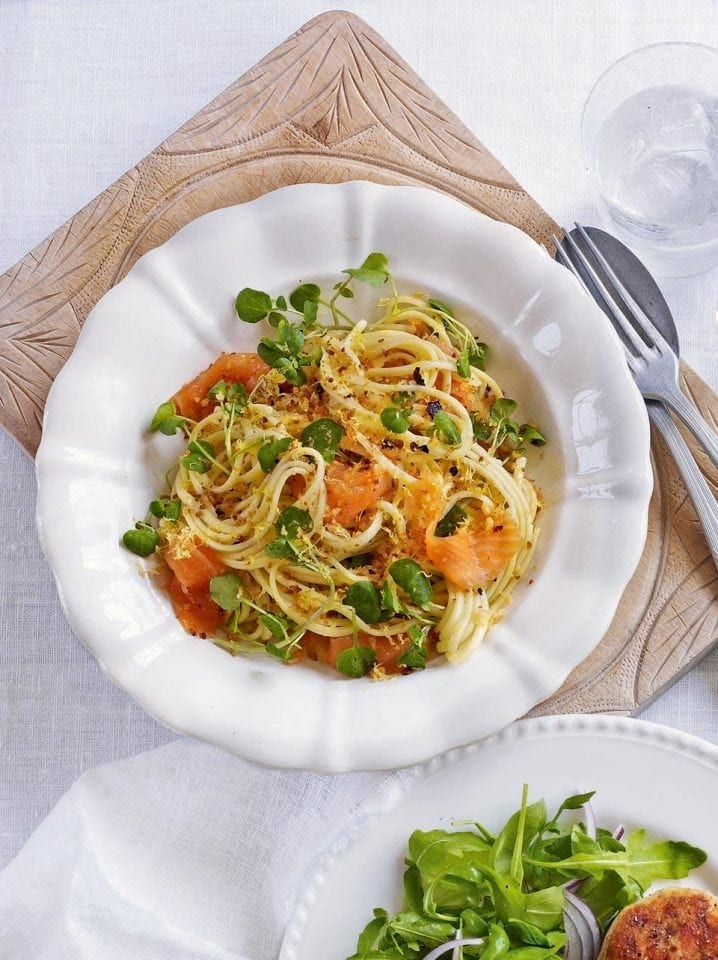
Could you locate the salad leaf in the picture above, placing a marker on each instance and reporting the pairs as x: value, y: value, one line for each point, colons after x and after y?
x: 507, y: 887
x: 226, y: 589
x: 364, y: 597
x: 451, y: 521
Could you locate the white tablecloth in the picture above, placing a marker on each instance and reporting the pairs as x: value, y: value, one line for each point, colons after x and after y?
x: 88, y: 87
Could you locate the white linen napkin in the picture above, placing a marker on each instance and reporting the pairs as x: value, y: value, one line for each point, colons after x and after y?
x: 181, y: 853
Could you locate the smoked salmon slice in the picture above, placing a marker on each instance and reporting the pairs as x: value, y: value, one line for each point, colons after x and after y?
x: 195, y: 570
x: 196, y: 611
x: 352, y: 489
x: 192, y: 401
x: 472, y: 557
x: 327, y: 649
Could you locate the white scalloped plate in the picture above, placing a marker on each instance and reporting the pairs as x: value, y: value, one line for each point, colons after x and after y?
x: 552, y: 350
x: 645, y: 775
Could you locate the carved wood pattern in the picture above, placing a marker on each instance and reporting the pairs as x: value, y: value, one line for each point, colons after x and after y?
x: 333, y: 103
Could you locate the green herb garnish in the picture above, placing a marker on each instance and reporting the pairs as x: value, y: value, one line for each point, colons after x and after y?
x: 451, y: 521
x: 291, y: 520
x: 394, y: 419
x: 252, y: 305
x: 446, y: 430
x: 414, y: 656
x: 323, y: 435
x: 356, y: 661
x: 270, y: 452
x: 166, y: 419
x: 142, y: 540
x: 226, y: 589
x: 364, y: 597
x: 408, y: 575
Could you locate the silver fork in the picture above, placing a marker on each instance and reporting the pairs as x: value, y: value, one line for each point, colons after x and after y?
x: 650, y: 357
x: 696, y: 484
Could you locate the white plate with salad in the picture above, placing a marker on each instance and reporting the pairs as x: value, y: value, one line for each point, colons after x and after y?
x: 619, y: 807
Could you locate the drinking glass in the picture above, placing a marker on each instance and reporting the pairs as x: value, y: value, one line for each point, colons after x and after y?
x: 650, y: 137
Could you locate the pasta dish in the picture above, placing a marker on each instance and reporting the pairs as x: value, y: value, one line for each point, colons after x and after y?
x: 354, y: 492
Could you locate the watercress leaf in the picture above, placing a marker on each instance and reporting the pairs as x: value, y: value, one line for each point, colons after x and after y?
x: 408, y: 575
x: 501, y: 409
x: 166, y: 420
x: 526, y: 932
x: 218, y: 390
x: 441, y: 307
x: 394, y: 420
x: 479, y: 355
x: 280, y: 303
x: 534, y: 436
x: 276, y: 624
x: 270, y: 351
x: 291, y: 336
x: 402, y: 399
x: 195, y: 462
x: 162, y: 413
x: 291, y: 520
x: 225, y: 589
x: 323, y: 435
x: 173, y: 509
x: 281, y: 653
x: 270, y: 452
x: 451, y: 521
x: 141, y: 540
x: 252, y: 305
x: 310, y: 310
x: 274, y: 319
x: 414, y: 657
x: 376, y: 261
x: 356, y: 661
x: 482, y: 430
x: 282, y: 548
x: 157, y: 508
x: 201, y: 447
x: 359, y: 560
x: 364, y: 597
x: 374, y: 278
x: 346, y: 292
x: 289, y: 366
x: 446, y: 430
x: 303, y: 293
x: 463, y: 364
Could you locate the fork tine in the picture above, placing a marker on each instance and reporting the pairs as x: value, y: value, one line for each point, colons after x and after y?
x: 637, y: 344
x: 639, y: 317
x: 568, y: 263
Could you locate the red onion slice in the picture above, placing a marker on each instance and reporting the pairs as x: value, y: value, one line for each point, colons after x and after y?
x: 454, y: 944
x: 590, y: 820
x: 579, y: 914
x: 618, y: 832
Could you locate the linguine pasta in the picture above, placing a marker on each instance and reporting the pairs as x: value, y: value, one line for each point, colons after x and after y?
x: 375, y: 513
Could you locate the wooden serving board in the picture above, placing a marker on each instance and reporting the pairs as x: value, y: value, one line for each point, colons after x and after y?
x: 333, y: 103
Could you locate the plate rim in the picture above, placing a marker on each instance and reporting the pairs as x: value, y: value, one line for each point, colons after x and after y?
x: 325, y: 759
x: 610, y: 726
